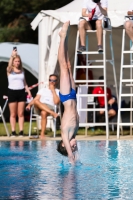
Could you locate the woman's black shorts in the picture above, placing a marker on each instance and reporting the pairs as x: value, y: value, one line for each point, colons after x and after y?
x: 16, y: 95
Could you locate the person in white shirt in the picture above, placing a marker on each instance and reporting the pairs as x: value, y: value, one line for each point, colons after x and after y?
x: 45, y: 101
x: 92, y: 15
x: 129, y: 24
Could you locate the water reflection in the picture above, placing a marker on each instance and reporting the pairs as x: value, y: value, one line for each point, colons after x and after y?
x: 113, y: 169
x: 68, y: 183
x: 14, y: 144
x: 33, y: 170
x: 19, y: 169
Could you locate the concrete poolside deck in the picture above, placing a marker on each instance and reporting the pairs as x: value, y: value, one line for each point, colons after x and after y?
x: 78, y: 137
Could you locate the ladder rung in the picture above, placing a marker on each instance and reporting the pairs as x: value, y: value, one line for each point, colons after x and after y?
x: 127, y: 95
x: 126, y: 109
x: 126, y: 80
x: 125, y: 124
x: 130, y: 85
x: 90, y: 52
x: 91, y: 109
x: 93, y: 31
x: 90, y: 66
x: 129, y: 51
x: 91, y: 61
x: 91, y: 124
x: 91, y: 95
x: 127, y: 66
x: 92, y: 103
x: 95, y: 85
x: 89, y: 81
x: 102, y: 85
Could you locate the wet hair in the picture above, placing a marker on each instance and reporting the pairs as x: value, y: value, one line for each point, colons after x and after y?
x: 62, y: 150
x: 53, y: 75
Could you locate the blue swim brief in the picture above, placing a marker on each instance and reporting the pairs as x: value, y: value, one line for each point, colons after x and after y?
x: 71, y: 95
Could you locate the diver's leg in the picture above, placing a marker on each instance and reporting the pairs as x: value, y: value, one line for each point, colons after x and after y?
x: 65, y: 84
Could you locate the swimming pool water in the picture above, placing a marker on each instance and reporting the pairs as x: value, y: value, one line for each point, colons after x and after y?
x: 35, y: 170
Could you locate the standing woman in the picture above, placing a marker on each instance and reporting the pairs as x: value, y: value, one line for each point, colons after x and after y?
x: 16, y: 92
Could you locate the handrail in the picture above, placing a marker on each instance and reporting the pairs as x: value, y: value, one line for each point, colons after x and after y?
x: 106, y: 23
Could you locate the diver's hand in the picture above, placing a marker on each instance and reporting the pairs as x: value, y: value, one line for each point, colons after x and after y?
x: 71, y: 160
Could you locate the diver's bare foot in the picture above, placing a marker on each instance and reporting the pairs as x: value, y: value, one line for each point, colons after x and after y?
x: 64, y: 29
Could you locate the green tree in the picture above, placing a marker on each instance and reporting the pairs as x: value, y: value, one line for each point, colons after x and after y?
x: 15, y: 22
x: 11, y: 9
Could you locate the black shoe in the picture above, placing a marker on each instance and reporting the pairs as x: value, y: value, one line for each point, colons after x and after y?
x: 81, y: 49
x: 100, y: 49
x: 13, y: 134
x: 21, y: 134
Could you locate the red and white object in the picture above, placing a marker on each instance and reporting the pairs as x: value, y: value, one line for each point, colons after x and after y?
x: 5, y: 97
x: 35, y: 85
x: 29, y: 99
x: 92, y: 12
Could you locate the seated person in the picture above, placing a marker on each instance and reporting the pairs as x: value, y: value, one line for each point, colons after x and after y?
x: 45, y: 101
x: 94, y: 12
x: 129, y: 24
x: 112, y: 105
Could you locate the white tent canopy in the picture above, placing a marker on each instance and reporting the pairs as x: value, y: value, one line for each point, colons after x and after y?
x: 28, y: 53
x: 72, y: 11
x: 50, y: 21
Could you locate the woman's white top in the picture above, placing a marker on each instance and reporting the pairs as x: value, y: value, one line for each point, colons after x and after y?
x: 16, y: 81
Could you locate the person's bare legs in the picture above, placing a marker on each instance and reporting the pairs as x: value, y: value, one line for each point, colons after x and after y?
x: 111, y: 113
x: 21, y: 107
x: 129, y: 29
x: 65, y: 85
x: 44, y: 115
x: 72, y: 83
x: 101, y: 112
x: 13, y: 114
x: 43, y: 107
x: 83, y: 26
x: 71, y: 76
x: 99, y: 32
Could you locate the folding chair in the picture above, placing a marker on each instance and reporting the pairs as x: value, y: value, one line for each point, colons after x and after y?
x: 2, y: 116
x: 33, y: 117
x: 51, y: 122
